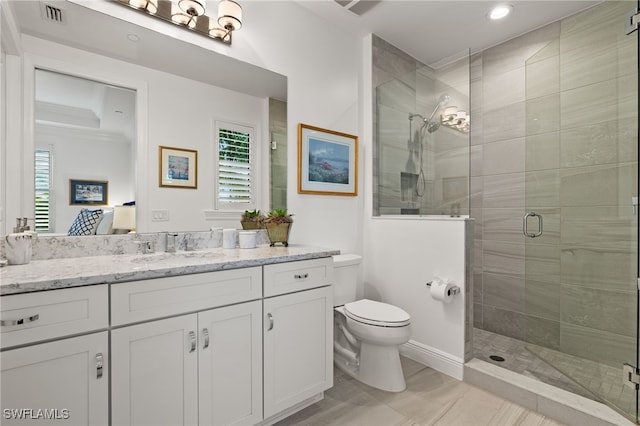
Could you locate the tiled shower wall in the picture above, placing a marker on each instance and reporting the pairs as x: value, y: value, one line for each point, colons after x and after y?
x: 404, y: 86
x: 560, y: 103
x: 278, y: 168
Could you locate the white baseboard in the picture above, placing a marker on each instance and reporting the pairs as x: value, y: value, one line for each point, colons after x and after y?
x: 292, y: 410
x: 434, y: 358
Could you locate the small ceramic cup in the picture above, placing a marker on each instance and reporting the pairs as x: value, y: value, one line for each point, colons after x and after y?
x: 247, y: 239
x: 229, y: 238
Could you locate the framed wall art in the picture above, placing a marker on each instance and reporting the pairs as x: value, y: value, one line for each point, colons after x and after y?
x: 178, y: 167
x: 88, y: 192
x: 327, y: 162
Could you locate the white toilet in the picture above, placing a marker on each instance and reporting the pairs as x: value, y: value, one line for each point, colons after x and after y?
x: 367, y: 334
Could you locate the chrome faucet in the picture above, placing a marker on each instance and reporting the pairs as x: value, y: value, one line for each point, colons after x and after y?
x: 146, y: 247
x: 21, y: 224
x: 170, y: 242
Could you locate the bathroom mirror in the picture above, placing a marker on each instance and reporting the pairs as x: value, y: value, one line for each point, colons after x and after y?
x: 84, y: 137
x: 125, y: 41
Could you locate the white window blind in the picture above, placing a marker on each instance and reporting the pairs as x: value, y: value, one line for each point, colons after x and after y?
x: 235, y: 160
x: 42, y: 190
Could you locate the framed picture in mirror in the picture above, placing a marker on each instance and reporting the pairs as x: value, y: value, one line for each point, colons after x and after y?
x: 88, y: 192
x: 178, y: 167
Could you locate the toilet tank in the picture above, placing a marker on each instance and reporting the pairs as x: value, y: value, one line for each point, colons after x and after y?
x: 345, y: 278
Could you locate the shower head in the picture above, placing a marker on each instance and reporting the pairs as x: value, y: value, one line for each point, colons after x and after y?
x: 442, y: 101
x: 431, y: 125
x: 428, y: 123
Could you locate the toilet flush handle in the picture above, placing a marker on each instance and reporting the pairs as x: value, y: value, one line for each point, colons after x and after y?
x: 270, y: 318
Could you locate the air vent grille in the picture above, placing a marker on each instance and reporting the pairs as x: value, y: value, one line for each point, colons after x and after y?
x: 358, y: 7
x: 52, y: 13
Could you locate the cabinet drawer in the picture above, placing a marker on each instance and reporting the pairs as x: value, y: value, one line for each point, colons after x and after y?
x: 32, y: 317
x: 289, y: 277
x: 144, y: 300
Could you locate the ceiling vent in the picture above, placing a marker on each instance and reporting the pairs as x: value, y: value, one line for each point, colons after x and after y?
x: 359, y: 7
x: 52, y: 13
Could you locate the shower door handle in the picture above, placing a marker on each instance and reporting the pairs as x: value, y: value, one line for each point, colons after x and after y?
x: 525, y: 223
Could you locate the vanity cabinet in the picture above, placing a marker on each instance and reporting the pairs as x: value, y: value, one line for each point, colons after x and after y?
x: 199, y: 368
x: 244, y: 346
x: 298, y: 332
x: 65, y: 381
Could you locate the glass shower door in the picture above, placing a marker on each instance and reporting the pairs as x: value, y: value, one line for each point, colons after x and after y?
x: 580, y: 223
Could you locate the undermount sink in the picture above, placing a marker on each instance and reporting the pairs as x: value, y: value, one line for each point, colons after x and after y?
x: 159, y: 257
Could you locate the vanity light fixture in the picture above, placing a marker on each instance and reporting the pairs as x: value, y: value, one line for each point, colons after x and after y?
x: 456, y: 119
x: 191, y: 14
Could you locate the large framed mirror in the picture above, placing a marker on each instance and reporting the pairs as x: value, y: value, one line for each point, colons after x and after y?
x: 190, y: 83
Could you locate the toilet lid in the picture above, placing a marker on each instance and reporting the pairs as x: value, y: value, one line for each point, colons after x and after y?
x: 376, y: 313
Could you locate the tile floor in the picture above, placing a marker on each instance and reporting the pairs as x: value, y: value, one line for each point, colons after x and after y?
x: 592, y: 380
x: 431, y: 398
x: 520, y: 360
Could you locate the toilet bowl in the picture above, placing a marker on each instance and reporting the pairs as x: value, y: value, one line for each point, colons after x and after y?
x: 367, y: 333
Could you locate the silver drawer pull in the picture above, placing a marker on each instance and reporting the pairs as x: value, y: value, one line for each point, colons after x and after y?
x: 270, y: 318
x: 301, y: 276
x: 7, y: 323
x: 99, y: 365
x: 192, y: 338
x: 205, y: 333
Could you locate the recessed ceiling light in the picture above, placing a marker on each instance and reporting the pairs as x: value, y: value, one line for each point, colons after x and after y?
x: 133, y: 37
x: 500, y: 11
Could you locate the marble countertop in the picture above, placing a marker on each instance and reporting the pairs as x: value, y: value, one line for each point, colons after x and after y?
x: 51, y: 274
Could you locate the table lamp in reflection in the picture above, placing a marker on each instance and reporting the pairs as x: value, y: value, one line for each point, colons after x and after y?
x: 124, y: 217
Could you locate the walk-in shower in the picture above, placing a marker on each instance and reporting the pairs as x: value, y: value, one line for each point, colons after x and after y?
x: 555, y: 135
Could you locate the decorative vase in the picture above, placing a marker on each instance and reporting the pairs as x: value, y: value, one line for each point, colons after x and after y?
x: 250, y: 224
x: 278, y: 233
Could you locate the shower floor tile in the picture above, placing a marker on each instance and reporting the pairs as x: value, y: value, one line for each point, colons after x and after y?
x: 604, y: 380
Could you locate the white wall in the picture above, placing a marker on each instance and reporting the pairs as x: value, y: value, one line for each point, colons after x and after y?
x: 400, y: 257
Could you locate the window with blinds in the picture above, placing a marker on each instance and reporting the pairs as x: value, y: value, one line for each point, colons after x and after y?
x: 235, y: 159
x: 43, y: 220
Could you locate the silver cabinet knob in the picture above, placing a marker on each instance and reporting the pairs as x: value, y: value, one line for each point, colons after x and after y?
x: 192, y: 338
x: 205, y: 334
x: 20, y: 321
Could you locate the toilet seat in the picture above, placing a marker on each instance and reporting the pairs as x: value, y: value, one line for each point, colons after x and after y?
x: 376, y: 313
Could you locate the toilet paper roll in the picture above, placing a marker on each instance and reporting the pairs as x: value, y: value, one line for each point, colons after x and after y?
x: 442, y: 290
x: 229, y: 238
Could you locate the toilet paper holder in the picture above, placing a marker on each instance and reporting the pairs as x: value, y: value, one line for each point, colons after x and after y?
x: 454, y: 290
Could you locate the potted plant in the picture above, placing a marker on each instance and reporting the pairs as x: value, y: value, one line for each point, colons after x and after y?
x: 278, y: 224
x: 252, y: 219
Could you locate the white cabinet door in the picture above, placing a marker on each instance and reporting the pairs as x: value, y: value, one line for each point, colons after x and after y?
x: 58, y: 383
x: 155, y: 373
x: 230, y: 365
x: 298, y: 347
